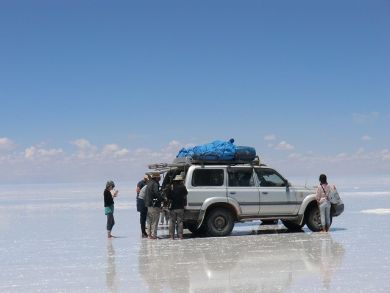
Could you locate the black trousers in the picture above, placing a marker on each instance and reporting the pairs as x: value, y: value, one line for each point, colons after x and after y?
x: 142, y: 219
x: 110, y: 221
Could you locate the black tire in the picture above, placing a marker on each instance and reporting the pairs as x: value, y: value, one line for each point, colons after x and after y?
x: 313, y: 219
x: 219, y: 222
x: 292, y: 226
x: 194, y: 229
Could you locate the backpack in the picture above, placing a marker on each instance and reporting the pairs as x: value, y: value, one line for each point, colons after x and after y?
x: 334, y: 196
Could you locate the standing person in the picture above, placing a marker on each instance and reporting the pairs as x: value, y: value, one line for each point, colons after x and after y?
x: 141, y: 207
x: 153, y: 199
x: 109, y: 194
x: 141, y: 184
x: 178, y: 197
x: 323, y: 191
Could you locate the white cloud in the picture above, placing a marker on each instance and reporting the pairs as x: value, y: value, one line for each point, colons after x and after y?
x: 114, y: 150
x: 173, y: 147
x: 385, y: 154
x: 110, y: 148
x: 6, y: 144
x: 83, y: 144
x: 85, y: 150
x: 41, y: 153
x: 284, y: 146
x: 269, y: 137
x: 366, y: 137
x: 88, y: 162
x: 29, y: 152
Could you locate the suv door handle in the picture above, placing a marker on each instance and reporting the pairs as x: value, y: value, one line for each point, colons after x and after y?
x: 232, y: 192
x: 264, y: 192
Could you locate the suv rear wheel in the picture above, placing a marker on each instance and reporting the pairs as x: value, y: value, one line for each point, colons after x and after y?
x: 219, y: 222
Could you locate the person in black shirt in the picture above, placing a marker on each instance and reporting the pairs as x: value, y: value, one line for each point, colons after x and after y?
x: 153, y: 199
x: 178, y: 198
x: 109, y: 194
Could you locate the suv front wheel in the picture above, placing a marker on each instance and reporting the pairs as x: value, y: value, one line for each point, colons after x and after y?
x: 219, y: 222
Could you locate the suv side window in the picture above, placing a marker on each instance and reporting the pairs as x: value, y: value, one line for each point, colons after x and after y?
x: 207, y: 177
x: 269, y: 177
x: 241, y: 177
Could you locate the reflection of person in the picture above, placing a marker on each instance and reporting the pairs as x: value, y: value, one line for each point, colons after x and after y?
x: 164, y: 214
x: 111, y: 268
x: 109, y: 194
x: 328, y: 258
x: 153, y: 201
x: 325, y: 258
x: 141, y: 208
x: 178, y: 197
x: 176, y: 262
x: 323, y: 191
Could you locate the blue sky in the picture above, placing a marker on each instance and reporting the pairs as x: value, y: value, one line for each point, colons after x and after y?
x: 97, y: 89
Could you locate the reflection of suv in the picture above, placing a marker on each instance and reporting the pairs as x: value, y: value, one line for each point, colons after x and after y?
x: 221, y: 194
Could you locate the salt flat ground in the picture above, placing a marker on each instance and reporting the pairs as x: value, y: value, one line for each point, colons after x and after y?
x: 52, y: 239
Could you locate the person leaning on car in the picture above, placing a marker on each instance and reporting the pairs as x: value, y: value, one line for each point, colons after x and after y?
x: 322, y: 196
x: 153, y: 199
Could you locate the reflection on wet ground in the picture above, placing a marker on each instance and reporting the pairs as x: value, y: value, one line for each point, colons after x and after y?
x: 62, y: 247
x: 245, y: 263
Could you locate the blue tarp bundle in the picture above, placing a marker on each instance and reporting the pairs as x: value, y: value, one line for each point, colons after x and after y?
x: 218, y: 150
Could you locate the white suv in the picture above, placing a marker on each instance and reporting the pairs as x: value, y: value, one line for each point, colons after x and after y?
x: 221, y: 194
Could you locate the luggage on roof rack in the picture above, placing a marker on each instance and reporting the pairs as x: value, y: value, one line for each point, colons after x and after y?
x: 219, y: 151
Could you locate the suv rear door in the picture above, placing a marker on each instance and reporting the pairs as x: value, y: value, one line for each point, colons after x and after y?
x: 242, y: 188
x: 275, y: 197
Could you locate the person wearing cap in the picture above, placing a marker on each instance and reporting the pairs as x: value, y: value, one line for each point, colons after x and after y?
x: 109, y: 194
x: 178, y: 198
x: 141, y: 208
x: 153, y: 199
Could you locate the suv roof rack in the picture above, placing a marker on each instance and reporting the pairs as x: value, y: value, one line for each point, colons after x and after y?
x: 188, y: 161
